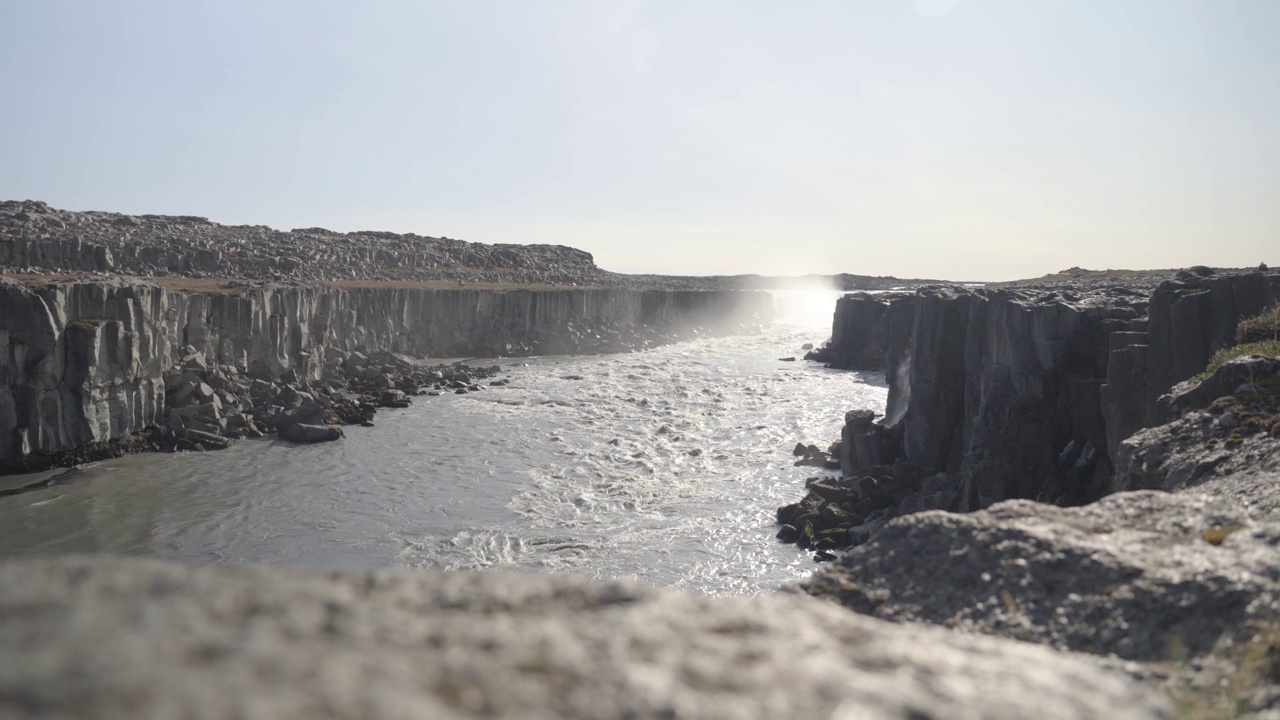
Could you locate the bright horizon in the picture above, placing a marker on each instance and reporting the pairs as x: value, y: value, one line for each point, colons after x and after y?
x: 954, y: 139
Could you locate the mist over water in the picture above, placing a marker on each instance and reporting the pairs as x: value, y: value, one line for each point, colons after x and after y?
x: 664, y: 465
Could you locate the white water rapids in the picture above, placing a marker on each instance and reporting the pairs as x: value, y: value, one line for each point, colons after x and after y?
x: 665, y: 466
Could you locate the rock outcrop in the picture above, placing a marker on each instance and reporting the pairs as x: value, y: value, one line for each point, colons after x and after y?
x: 1223, y: 433
x: 127, y: 638
x: 1182, y: 577
x: 1141, y: 575
x: 87, y: 362
x: 1015, y: 392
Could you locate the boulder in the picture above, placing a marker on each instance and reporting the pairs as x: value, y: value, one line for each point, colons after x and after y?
x: 303, y: 433
x: 112, y: 637
x: 1143, y: 575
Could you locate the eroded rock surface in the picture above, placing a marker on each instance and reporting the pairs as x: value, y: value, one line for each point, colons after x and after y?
x: 1223, y: 436
x: 1135, y: 574
x: 1017, y: 391
x: 122, y: 638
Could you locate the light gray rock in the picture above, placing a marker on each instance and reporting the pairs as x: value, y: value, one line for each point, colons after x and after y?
x: 126, y: 638
x: 1136, y: 574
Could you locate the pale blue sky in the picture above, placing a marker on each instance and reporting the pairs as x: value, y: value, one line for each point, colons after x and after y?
x: 967, y: 139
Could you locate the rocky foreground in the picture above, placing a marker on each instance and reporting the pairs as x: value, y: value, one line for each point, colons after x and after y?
x: 119, y: 638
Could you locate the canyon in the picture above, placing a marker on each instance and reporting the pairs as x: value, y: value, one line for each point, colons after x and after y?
x: 1050, y: 467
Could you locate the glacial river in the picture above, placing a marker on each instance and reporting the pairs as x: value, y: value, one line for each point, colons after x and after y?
x: 665, y: 466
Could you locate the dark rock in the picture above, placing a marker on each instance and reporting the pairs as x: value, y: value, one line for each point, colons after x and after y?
x: 829, y: 492
x: 302, y: 433
x: 788, y: 534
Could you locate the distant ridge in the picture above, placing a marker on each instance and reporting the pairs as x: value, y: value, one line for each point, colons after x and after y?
x: 36, y: 239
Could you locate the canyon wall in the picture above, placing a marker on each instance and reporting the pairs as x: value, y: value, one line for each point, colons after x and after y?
x: 1022, y: 392
x: 84, y: 362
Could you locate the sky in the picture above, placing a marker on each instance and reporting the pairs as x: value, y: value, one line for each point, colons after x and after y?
x: 957, y: 139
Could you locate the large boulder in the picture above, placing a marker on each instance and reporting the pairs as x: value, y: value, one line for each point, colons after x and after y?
x: 126, y: 638
x: 303, y: 433
x: 1144, y: 575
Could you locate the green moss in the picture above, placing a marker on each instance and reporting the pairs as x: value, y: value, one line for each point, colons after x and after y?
x: 1255, y: 666
x: 1264, y: 326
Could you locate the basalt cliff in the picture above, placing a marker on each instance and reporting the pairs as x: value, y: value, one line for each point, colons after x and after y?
x: 1022, y: 392
x: 90, y: 362
x: 1086, y: 466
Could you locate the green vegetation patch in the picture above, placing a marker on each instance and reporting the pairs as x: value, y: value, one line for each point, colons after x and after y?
x: 1255, y: 671
x: 1269, y: 348
x: 1260, y: 328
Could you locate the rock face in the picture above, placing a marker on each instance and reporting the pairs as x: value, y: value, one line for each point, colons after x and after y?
x: 1021, y: 392
x: 122, y: 638
x: 1185, y: 571
x: 87, y: 362
x: 1188, y: 321
x: 1223, y: 432
x: 859, y: 333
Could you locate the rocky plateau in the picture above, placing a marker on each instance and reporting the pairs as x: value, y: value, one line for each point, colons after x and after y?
x: 36, y: 239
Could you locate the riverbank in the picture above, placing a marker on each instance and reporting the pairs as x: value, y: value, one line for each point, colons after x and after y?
x: 91, y: 366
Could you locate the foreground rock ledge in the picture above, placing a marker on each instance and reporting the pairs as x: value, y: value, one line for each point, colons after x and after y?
x: 126, y: 638
x: 1135, y: 574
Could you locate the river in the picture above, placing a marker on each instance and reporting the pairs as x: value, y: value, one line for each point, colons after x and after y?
x: 664, y: 466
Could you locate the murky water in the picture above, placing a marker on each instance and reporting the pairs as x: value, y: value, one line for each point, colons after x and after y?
x: 664, y: 466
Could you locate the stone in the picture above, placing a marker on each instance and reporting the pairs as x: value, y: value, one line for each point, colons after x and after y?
x: 1126, y: 575
x: 114, y: 637
x: 829, y: 492
x: 303, y: 433
x: 208, y: 440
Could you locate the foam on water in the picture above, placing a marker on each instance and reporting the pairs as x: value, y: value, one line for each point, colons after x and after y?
x: 664, y: 465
